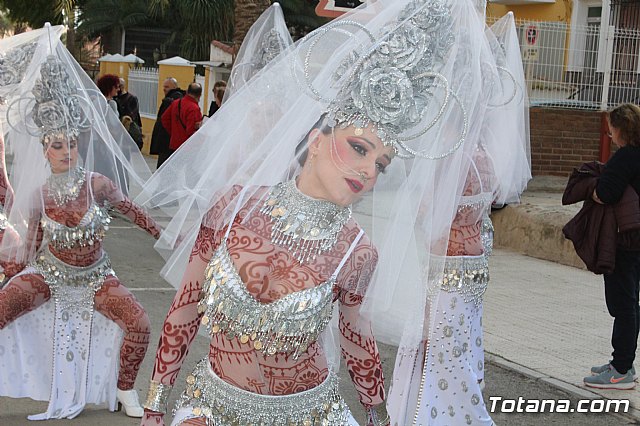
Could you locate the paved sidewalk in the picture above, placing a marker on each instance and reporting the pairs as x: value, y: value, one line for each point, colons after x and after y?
x: 550, y: 322
x: 542, y: 318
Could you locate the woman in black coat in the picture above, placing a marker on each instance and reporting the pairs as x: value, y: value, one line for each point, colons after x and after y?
x: 623, y: 284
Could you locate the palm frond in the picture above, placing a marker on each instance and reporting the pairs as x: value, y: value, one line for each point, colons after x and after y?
x: 158, y: 8
x: 98, y: 15
x: 66, y: 6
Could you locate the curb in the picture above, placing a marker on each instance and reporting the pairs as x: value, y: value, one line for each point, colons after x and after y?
x: 571, y: 389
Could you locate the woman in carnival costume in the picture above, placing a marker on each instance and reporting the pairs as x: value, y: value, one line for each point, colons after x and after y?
x: 442, y: 384
x: 265, y: 40
x: 64, y: 315
x: 265, y: 248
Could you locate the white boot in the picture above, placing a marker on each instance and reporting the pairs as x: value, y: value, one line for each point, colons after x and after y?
x: 129, y: 400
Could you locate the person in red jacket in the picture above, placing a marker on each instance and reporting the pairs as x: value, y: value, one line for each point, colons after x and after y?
x: 183, y: 118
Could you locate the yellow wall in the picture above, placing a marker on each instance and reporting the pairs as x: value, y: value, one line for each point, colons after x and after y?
x: 560, y: 11
x: 121, y: 69
x: 147, y: 129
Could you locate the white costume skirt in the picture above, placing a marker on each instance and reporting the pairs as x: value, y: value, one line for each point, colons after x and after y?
x: 222, y: 404
x: 64, y: 351
x: 442, y: 386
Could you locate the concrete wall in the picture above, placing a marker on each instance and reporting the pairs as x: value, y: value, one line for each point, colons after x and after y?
x: 562, y: 139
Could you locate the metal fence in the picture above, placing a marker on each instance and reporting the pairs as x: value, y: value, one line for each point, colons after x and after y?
x: 584, y: 67
x: 143, y: 82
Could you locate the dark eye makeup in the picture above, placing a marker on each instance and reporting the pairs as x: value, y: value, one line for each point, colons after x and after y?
x: 362, y: 150
x: 357, y: 147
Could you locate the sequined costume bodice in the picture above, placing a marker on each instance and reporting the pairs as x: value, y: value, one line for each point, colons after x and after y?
x: 89, y: 231
x: 287, y: 325
x: 257, y: 279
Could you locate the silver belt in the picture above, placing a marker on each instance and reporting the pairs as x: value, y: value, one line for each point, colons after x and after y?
x: 466, y: 275
x: 223, y: 404
x: 72, y: 285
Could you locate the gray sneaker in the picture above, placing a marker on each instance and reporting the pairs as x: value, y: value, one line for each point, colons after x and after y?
x: 600, y: 368
x: 611, y: 379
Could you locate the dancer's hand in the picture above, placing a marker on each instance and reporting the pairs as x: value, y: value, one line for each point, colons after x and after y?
x: 152, y: 418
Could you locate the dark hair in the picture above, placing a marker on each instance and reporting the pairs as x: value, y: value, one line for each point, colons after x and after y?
x: 626, y: 118
x: 219, y: 93
x: 302, y: 149
x: 218, y: 84
x: 194, y: 89
x: 107, y: 82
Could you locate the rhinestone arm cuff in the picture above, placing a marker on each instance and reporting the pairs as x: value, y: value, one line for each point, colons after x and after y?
x: 157, y: 397
x: 3, y: 219
x: 377, y: 416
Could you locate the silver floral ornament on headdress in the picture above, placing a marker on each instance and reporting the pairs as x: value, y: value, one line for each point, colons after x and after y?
x: 390, y: 85
x: 272, y: 45
x: 55, y: 108
x: 13, y: 66
x: 14, y: 63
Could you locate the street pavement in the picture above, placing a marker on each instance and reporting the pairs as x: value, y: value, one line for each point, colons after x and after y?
x: 545, y: 325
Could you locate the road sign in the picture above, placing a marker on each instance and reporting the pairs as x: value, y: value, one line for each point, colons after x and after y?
x: 335, y: 8
x: 530, y: 54
x: 531, y: 33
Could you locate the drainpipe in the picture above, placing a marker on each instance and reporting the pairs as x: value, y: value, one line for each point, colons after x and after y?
x: 605, y: 140
x: 605, y: 52
x: 602, y: 38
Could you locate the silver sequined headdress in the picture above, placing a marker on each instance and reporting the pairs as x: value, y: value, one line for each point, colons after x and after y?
x: 390, y: 84
x: 54, y: 107
x: 57, y: 108
x: 267, y: 38
x: 272, y: 45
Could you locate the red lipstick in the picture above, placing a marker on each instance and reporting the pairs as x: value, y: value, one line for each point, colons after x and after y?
x: 354, y: 185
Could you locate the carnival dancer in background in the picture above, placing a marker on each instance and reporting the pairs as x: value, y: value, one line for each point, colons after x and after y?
x: 64, y: 315
x: 265, y: 40
x: 444, y: 384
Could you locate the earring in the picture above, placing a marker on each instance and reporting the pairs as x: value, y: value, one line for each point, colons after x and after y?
x: 311, y: 157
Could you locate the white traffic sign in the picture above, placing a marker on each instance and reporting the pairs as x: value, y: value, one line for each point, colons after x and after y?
x: 530, y: 54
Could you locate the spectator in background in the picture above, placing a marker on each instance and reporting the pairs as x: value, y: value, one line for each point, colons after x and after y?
x: 160, y: 137
x: 622, y: 286
x: 109, y: 85
x: 218, y: 86
x: 219, y: 96
x: 183, y: 118
x: 134, y: 130
x: 128, y: 103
